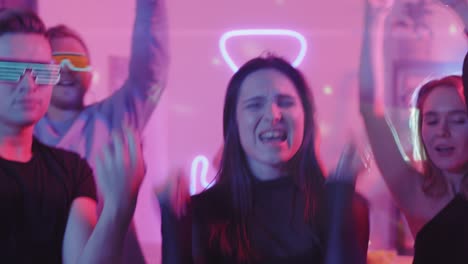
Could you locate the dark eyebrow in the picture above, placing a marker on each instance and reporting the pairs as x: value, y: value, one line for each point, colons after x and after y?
x: 252, y: 99
x: 285, y: 96
x: 458, y: 111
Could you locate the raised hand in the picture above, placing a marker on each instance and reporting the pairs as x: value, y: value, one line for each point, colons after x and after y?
x: 350, y: 165
x: 120, y: 171
x: 175, y: 193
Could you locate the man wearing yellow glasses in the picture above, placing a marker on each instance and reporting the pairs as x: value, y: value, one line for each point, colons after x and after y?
x: 71, y: 125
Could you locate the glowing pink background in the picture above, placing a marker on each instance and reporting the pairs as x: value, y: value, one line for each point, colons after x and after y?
x: 188, y: 121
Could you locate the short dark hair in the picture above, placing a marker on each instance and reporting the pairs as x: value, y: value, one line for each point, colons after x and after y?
x: 62, y: 31
x: 20, y: 21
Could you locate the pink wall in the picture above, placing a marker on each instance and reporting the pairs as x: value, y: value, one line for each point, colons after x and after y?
x: 189, y: 121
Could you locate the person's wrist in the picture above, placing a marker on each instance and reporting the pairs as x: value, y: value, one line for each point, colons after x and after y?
x: 120, y: 207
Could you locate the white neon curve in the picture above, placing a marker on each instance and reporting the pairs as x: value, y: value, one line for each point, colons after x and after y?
x: 200, y: 159
x: 261, y: 32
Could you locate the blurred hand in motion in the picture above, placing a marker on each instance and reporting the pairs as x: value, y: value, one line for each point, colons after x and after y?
x: 175, y: 193
x: 350, y: 165
x: 120, y: 171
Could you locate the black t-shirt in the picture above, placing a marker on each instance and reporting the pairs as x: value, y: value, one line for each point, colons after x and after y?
x: 35, y: 200
x: 278, y: 230
x: 444, y: 239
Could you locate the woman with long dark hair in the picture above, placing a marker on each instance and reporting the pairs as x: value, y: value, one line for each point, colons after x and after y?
x: 269, y: 203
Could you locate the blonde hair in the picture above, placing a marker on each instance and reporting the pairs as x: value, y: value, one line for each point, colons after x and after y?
x: 434, y: 184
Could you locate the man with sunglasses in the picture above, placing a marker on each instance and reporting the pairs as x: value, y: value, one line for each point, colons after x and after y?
x: 47, y: 195
x: 71, y: 125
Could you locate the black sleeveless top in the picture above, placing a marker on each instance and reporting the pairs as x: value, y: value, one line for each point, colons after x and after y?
x: 444, y: 239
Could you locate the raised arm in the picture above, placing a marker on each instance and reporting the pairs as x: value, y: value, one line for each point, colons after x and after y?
x: 401, y: 178
x: 136, y: 100
x: 149, y: 59
x: 119, y: 172
x: 346, y: 213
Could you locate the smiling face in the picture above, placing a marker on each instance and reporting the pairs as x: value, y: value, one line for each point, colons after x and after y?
x: 70, y: 91
x: 24, y: 102
x: 444, y: 129
x: 270, y: 119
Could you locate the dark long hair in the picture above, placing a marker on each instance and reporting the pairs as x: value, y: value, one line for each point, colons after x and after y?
x: 234, y: 175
